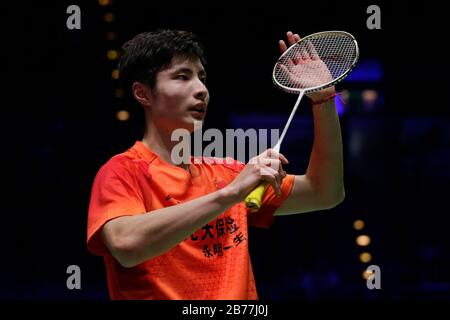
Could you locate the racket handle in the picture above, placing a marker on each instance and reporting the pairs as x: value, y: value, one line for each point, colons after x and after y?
x: 254, y: 199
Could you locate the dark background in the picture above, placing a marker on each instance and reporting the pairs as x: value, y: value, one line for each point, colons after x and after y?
x: 59, y: 126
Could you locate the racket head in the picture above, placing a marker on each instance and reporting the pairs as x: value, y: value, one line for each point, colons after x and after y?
x: 299, y: 67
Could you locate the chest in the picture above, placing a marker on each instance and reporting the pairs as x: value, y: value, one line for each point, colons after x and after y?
x: 162, y: 188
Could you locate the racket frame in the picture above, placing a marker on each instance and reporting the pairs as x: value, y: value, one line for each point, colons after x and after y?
x: 326, y: 85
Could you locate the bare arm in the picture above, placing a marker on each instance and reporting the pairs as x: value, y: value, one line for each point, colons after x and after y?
x: 135, y: 239
x: 322, y: 186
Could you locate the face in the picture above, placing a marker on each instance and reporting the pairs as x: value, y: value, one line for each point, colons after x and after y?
x: 180, y: 96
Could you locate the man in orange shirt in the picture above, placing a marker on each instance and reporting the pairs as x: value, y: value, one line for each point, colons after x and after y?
x: 169, y: 231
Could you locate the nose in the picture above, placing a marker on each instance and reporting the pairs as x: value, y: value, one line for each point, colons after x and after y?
x: 201, y: 92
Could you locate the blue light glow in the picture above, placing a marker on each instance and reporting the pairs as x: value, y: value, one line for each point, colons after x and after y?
x: 366, y: 71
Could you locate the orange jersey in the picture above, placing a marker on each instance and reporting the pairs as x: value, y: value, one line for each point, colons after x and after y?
x: 212, y: 263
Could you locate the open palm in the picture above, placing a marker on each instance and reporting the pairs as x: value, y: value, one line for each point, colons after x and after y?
x: 305, y: 73
x: 303, y: 68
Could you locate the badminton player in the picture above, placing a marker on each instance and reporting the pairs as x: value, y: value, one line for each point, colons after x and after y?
x: 170, y: 231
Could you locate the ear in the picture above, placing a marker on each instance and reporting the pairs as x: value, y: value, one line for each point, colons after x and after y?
x: 143, y: 94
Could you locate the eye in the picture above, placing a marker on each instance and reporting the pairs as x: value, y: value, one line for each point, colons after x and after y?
x: 182, y: 77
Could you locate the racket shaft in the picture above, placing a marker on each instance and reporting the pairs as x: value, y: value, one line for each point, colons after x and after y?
x: 291, y: 116
x: 253, y: 200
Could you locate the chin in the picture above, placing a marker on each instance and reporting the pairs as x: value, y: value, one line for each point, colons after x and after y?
x: 191, y: 125
x: 195, y: 122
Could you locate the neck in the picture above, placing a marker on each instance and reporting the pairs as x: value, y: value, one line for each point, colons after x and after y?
x: 159, y: 140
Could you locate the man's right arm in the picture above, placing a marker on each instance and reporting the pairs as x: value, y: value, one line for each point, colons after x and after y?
x: 135, y: 239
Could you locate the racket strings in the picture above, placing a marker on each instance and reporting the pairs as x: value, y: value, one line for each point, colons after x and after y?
x: 316, y: 62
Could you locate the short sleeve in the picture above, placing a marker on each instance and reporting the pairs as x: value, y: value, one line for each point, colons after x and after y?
x: 115, y: 193
x: 270, y: 203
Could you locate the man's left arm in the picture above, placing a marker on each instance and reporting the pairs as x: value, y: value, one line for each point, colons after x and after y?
x: 322, y: 186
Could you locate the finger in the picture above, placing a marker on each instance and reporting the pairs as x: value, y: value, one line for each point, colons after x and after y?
x: 281, y: 171
x: 283, y: 159
x: 279, y: 176
x: 297, y: 56
x: 283, y: 46
x: 303, y: 52
x: 268, y: 162
x: 288, y: 76
x: 301, y: 55
x: 274, y: 172
x: 264, y: 156
x: 291, y: 41
x: 278, y: 180
x: 270, y: 175
x: 290, y: 38
x: 264, y: 162
x: 272, y: 154
x: 274, y: 164
x: 312, y: 51
x: 287, y: 58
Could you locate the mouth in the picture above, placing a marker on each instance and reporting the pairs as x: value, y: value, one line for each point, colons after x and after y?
x: 198, y: 110
x: 199, y: 107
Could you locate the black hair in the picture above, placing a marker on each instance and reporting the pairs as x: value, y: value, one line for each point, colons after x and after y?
x: 150, y: 52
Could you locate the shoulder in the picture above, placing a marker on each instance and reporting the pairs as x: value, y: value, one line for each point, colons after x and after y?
x: 124, y: 164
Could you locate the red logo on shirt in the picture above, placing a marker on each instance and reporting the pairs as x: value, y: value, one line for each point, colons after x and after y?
x: 219, y: 184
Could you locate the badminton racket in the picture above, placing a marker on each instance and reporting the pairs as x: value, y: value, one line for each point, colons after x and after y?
x: 313, y: 63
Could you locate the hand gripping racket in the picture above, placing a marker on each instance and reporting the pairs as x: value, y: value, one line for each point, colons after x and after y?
x: 315, y: 62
